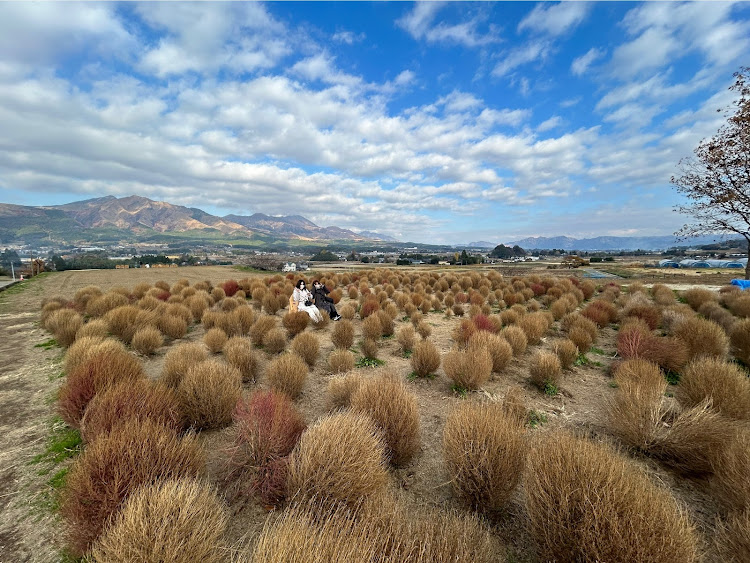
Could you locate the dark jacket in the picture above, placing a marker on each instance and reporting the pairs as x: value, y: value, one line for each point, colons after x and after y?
x: 320, y: 294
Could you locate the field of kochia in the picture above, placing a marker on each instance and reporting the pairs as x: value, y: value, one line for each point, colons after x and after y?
x: 448, y: 416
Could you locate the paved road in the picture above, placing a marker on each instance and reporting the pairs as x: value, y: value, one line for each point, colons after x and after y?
x: 3, y: 283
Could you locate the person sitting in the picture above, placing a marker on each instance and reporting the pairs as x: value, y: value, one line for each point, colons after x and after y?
x: 323, y: 302
x: 304, y: 300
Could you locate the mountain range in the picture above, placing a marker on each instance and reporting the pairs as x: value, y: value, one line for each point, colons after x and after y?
x: 112, y: 219
x: 611, y: 243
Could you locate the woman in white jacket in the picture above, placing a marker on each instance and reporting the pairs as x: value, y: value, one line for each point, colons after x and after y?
x: 304, y: 300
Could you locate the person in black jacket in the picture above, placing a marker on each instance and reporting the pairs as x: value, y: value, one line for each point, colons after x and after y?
x: 322, y: 301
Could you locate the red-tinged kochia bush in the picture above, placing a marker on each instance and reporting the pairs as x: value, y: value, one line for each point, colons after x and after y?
x: 115, y: 465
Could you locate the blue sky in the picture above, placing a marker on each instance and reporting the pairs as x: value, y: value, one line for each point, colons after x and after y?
x: 430, y: 122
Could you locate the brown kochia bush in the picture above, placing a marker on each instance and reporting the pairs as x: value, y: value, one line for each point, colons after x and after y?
x: 371, y: 327
x: 485, y: 451
x: 425, y: 358
x: 87, y: 347
x: 500, y: 351
x: 566, y: 351
x: 341, y: 361
x: 294, y: 323
x: 64, y: 324
x: 179, y: 520
x: 340, y: 390
x: 697, y: 296
x: 635, y: 340
x: 534, y: 325
x: 406, y: 339
x: 725, y: 384
x: 733, y: 537
x: 545, y: 371
x: 739, y: 336
x: 208, y: 393
x: 262, y: 325
x: 516, y: 337
x: 115, y: 465
x: 172, y: 325
x: 369, y: 348
x: 129, y: 401
x: 732, y: 473
x: 179, y: 359
x: 214, y: 339
x: 588, y: 503
x: 146, y: 340
x: 635, y: 411
x: 266, y: 429
x: 92, y: 376
x: 287, y: 374
x: 468, y: 369
x: 307, y: 347
x: 703, y: 338
x: 274, y: 342
x: 340, y: 460
x: 342, y: 334
x: 239, y: 353
x: 393, y: 408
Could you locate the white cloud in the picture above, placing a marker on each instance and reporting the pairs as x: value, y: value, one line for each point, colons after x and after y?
x: 510, y: 60
x: 555, y: 19
x: 348, y: 37
x: 420, y: 24
x: 580, y: 65
x: 551, y: 123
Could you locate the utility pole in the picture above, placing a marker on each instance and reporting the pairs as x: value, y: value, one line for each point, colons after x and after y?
x: 13, y: 271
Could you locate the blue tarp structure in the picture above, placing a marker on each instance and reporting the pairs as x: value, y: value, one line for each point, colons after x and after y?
x: 744, y: 284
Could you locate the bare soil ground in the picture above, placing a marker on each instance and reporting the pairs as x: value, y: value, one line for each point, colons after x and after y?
x: 29, y: 378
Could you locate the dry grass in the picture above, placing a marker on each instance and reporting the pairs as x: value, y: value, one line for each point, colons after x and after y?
x: 485, y: 451
x: 468, y: 369
x: 208, y: 394
x: 347, y: 312
x: 130, y: 401
x: 740, y: 340
x: 87, y: 347
x: 114, y: 466
x: 100, y: 306
x: 635, y: 411
x: 566, y: 351
x: 371, y: 327
x: 274, y: 342
x: 179, y: 520
x: 340, y: 460
x: 703, y: 338
x: 179, y: 359
x: 534, y: 325
x: 172, y: 326
x: 215, y: 339
x: 545, y: 371
x: 147, y: 340
x: 97, y: 373
x: 307, y: 347
x: 718, y: 314
x: 95, y: 327
x: 740, y: 306
x: 287, y: 374
x: 342, y: 334
x: 733, y: 537
x: 587, y: 503
x: 266, y: 429
x: 369, y: 348
x: 393, y: 408
x: 725, y: 384
x: 500, y: 351
x: 425, y: 359
x: 341, y: 388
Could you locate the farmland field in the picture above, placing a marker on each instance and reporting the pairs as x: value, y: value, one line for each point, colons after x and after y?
x: 31, y: 372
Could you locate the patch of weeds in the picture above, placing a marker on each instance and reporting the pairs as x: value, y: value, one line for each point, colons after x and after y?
x: 550, y: 388
x: 405, y: 318
x: 673, y: 378
x: 413, y: 376
x: 369, y: 363
x: 55, y: 377
x: 669, y: 394
x: 389, y: 337
x: 582, y: 360
x: 407, y: 354
x: 535, y: 418
x: 460, y: 390
x: 613, y: 385
x: 64, y: 442
x: 51, y: 343
x: 599, y: 351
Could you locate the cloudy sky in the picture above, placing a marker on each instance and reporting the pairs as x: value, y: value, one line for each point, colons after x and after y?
x: 431, y: 122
